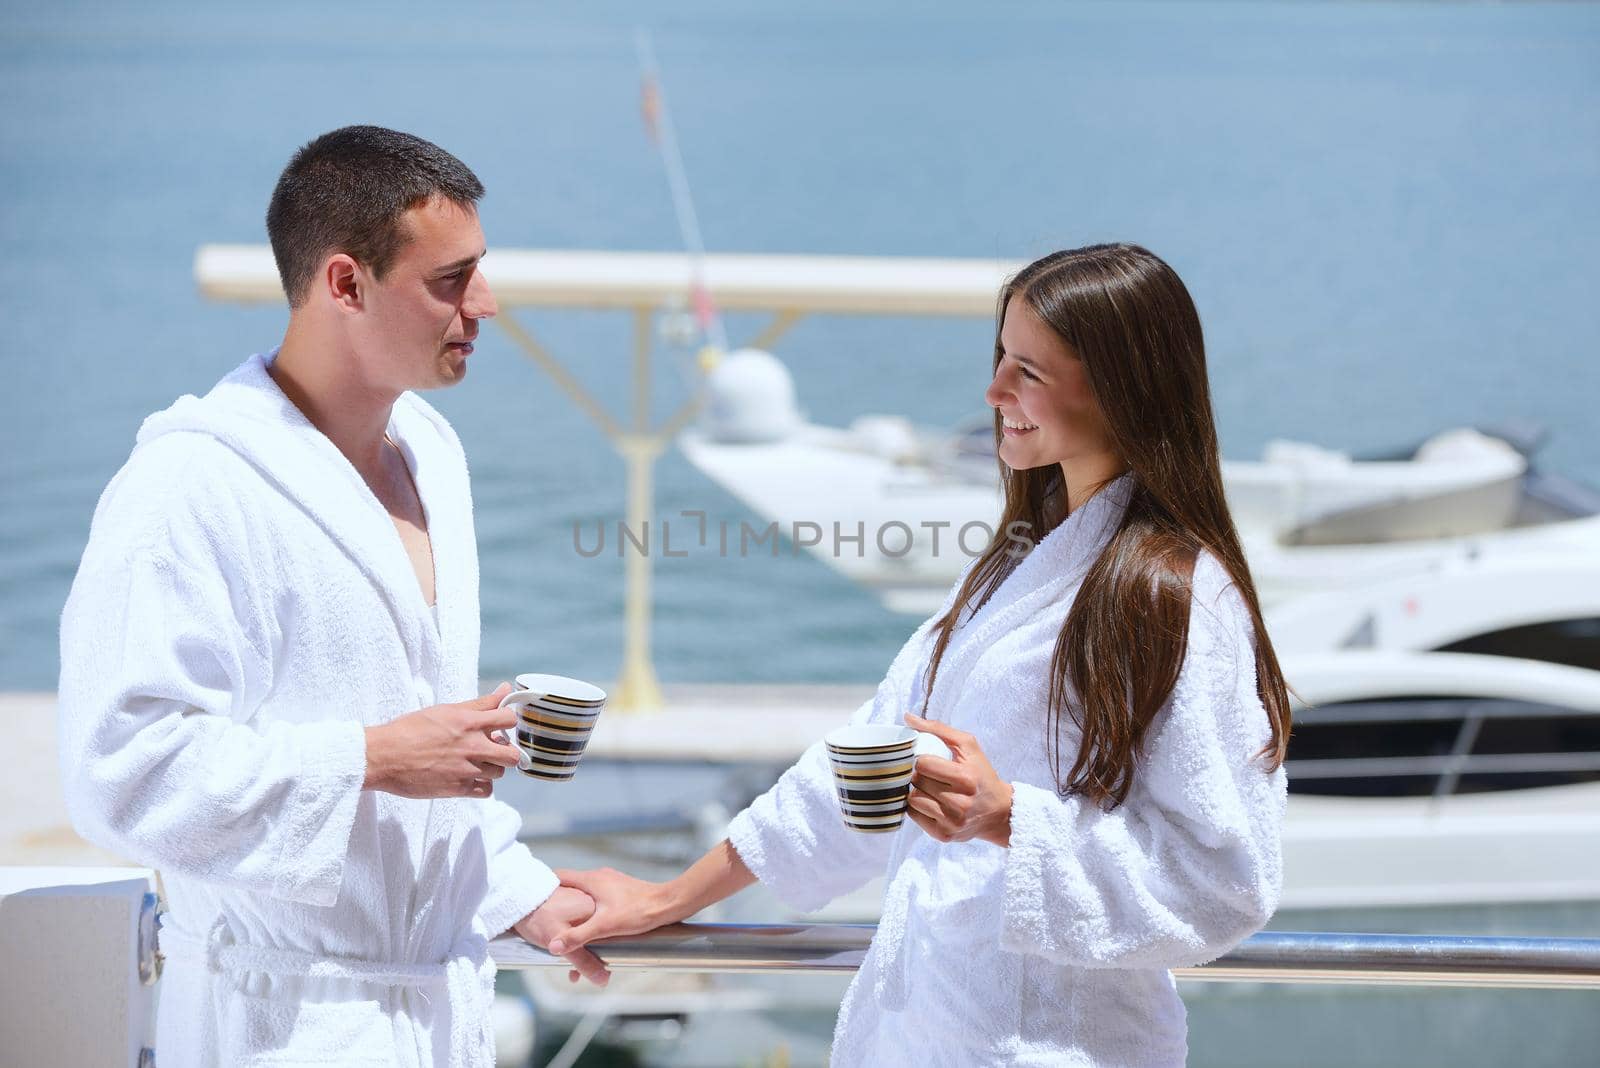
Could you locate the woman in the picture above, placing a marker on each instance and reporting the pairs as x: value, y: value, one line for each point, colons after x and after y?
x: 1116, y: 716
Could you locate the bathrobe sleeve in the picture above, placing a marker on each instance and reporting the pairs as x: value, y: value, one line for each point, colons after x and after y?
x: 159, y: 758
x: 793, y: 837
x: 518, y: 882
x: 1190, y: 864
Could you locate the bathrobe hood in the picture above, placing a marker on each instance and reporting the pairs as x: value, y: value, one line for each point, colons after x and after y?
x: 251, y: 415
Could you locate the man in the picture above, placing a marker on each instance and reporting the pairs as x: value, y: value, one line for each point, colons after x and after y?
x: 270, y: 654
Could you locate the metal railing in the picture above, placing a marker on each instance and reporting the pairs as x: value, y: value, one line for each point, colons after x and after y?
x: 1270, y: 957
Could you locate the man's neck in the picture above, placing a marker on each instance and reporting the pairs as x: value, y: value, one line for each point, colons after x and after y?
x: 325, y: 383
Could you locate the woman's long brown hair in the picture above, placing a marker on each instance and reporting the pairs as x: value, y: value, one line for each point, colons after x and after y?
x: 1129, y: 318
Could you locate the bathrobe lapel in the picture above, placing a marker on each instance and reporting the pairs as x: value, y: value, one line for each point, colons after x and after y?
x: 309, y: 470
x: 306, y: 468
x: 1048, y: 574
x: 450, y: 649
x: 433, y: 454
x: 1055, y: 566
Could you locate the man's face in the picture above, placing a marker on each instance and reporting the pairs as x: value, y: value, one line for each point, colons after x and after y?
x: 423, y: 315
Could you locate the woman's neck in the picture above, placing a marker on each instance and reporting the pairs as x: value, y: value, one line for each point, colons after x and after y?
x: 1083, y: 477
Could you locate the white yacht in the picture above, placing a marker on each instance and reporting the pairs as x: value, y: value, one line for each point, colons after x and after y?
x: 1536, y: 606
x: 1433, y: 779
x: 901, y: 509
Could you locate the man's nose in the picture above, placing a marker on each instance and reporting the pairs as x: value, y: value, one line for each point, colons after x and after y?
x: 480, y: 302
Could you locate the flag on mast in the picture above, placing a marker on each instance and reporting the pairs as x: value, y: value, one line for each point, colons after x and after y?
x: 658, y: 124
x: 650, y: 108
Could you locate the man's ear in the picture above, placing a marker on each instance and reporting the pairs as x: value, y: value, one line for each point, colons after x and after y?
x: 345, y: 282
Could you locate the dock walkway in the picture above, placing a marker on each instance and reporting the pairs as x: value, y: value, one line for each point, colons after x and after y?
x: 711, y: 722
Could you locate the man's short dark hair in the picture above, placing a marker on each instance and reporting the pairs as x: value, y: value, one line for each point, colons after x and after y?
x: 348, y: 191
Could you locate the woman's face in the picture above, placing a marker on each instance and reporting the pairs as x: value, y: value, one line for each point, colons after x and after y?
x: 1043, y: 395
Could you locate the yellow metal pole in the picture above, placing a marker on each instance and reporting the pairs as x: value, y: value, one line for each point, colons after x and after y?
x: 638, y: 690
x: 679, y: 420
x: 641, y: 370
x: 780, y: 325
x: 563, y: 378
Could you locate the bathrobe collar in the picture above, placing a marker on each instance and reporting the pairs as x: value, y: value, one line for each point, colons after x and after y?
x: 1049, y: 573
x: 251, y: 415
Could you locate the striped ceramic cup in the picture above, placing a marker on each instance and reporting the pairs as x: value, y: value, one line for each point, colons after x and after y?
x: 872, y: 766
x: 555, y: 716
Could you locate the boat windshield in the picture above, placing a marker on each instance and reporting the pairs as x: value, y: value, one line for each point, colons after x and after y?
x: 1437, y: 746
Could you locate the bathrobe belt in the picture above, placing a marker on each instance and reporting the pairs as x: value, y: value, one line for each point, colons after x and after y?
x: 467, y: 976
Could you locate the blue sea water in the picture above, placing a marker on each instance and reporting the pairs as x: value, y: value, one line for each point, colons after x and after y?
x: 1385, y: 213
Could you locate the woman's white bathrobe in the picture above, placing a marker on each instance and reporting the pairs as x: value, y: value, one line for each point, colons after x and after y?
x: 244, y: 609
x: 1054, y: 951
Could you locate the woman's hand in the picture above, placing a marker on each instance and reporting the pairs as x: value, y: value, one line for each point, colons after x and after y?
x: 959, y: 799
x: 444, y: 750
x: 623, y: 905
x: 560, y: 912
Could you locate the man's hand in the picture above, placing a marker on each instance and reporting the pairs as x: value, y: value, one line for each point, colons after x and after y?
x: 562, y: 911
x: 443, y: 751
x: 623, y: 905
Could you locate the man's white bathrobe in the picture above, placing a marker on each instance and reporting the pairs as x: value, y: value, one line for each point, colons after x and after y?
x: 1054, y: 951
x: 245, y: 608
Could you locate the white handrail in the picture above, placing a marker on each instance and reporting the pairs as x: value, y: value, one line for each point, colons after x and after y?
x: 1272, y: 956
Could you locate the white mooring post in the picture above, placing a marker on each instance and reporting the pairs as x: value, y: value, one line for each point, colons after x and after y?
x: 77, y: 967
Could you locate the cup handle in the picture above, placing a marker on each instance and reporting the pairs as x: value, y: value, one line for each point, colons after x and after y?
x: 930, y: 745
x: 515, y: 697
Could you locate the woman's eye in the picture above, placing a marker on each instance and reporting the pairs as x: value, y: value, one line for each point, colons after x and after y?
x: 1029, y: 375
